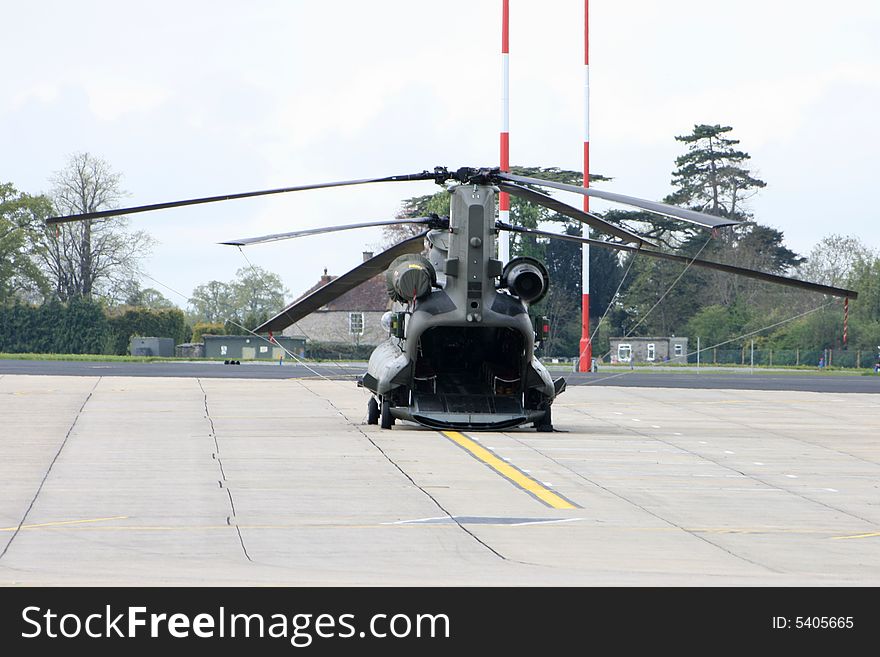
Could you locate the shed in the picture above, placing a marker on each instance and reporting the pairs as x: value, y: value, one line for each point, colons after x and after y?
x: 649, y: 350
x: 252, y: 347
x: 140, y: 346
x: 190, y: 350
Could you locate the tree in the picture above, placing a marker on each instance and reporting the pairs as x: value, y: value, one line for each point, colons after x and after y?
x: 211, y: 303
x: 257, y: 293
x: 89, y: 258
x: 147, y: 297
x: 716, y: 325
x: 21, y: 222
x: 206, y: 328
x: 711, y: 177
x: 834, y: 259
x: 749, y: 245
x: 242, y: 304
x: 659, y: 300
x: 865, y: 311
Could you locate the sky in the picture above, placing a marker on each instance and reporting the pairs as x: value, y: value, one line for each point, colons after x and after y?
x: 198, y: 98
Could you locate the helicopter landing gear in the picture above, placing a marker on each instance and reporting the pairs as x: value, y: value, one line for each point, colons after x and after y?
x: 372, y: 411
x: 545, y: 424
x: 386, y: 420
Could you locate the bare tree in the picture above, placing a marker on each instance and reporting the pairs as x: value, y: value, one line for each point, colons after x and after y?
x: 833, y: 260
x: 93, y: 257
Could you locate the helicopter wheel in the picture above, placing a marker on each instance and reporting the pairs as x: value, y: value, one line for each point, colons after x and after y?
x: 545, y: 424
x: 372, y: 411
x: 386, y: 418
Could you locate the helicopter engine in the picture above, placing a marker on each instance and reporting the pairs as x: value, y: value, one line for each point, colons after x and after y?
x: 410, y: 277
x: 526, y: 278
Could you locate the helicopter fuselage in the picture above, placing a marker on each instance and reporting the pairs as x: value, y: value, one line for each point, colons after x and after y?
x: 466, y: 357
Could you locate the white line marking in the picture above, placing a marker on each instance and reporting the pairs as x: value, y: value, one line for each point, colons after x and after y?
x: 727, y: 451
x: 758, y: 463
x: 831, y: 490
x: 676, y: 433
x: 544, y: 522
x: 635, y: 419
x: 791, y: 476
x: 406, y: 522
x: 655, y: 426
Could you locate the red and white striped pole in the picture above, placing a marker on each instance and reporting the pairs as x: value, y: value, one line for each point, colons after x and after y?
x: 586, y: 348
x: 503, y: 197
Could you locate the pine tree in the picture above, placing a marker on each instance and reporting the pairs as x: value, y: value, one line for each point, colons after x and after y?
x: 711, y: 176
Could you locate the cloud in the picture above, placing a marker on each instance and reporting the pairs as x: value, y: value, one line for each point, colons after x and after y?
x: 110, y: 99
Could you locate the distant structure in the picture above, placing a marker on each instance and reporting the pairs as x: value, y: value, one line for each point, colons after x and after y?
x: 250, y: 347
x: 649, y: 350
x: 141, y: 346
x: 190, y: 350
x: 352, y: 319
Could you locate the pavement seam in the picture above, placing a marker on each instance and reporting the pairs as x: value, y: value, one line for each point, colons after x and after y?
x: 433, y: 499
x: 639, y: 506
x: 223, y: 473
x: 413, y: 482
x: 745, y: 474
x: 49, y: 469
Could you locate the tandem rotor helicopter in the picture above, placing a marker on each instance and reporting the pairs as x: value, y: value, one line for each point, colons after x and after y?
x: 461, y: 347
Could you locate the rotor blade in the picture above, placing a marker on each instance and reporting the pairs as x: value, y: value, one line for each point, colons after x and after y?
x: 329, y: 229
x: 699, y: 218
x: 336, y: 288
x: 228, y: 197
x: 730, y: 269
x: 565, y: 209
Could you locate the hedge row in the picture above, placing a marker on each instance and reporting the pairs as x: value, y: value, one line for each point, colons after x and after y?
x: 83, y: 327
x: 338, y: 351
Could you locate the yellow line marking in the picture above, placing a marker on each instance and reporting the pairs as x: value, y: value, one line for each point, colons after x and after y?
x: 60, y: 523
x: 507, y: 471
x: 871, y: 535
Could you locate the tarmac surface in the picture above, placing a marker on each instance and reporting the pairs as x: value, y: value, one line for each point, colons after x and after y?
x: 200, y: 480
x: 667, y: 377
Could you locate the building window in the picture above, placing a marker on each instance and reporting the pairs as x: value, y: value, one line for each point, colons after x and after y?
x: 652, y: 351
x: 356, y: 323
x: 679, y: 349
x: 624, y: 353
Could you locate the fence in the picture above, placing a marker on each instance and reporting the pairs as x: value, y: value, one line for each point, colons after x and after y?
x: 785, y: 357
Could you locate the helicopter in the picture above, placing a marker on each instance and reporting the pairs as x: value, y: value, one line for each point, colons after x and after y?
x: 460, y: 352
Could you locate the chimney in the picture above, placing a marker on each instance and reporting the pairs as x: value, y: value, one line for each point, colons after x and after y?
x: 367, y: 255
x: 325, y: 278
